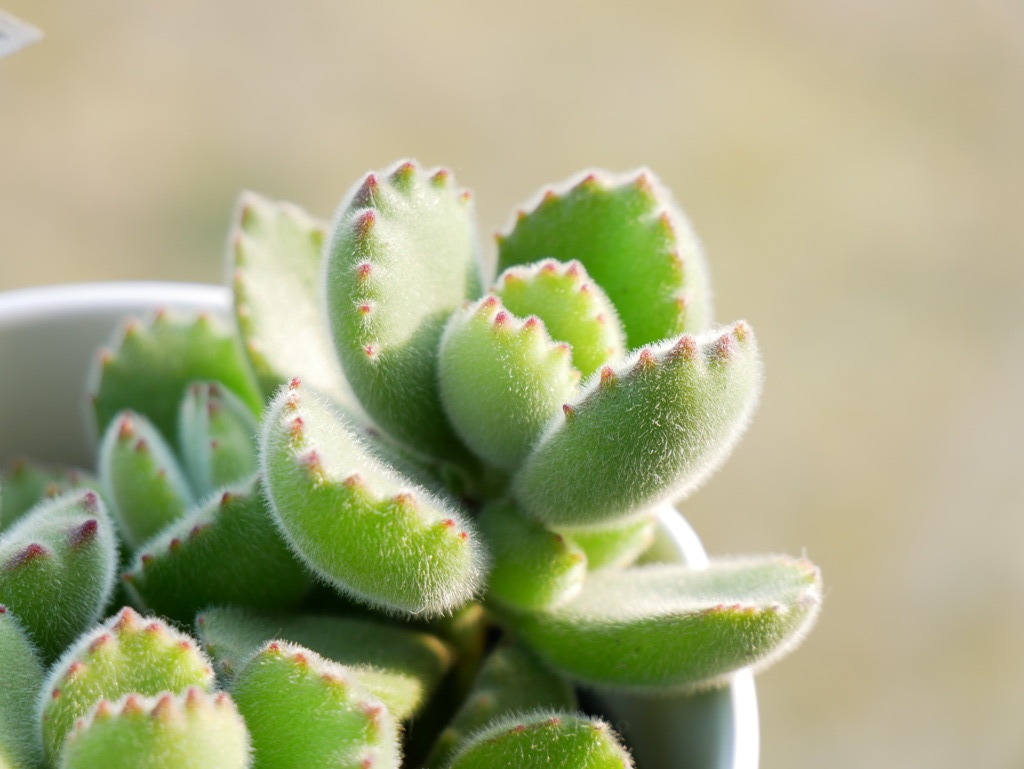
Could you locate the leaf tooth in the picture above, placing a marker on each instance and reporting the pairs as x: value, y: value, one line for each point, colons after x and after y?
x: 405, y: 502
x: 132, y: 705
x: 465, y: 197
x: 365, y: 223
x: 568, y: 410
x: 365, y: 307
x: 676, y: 264
x: 128, y: 620
x: 548, y: 267
x: 355, y: 482
x: 126, y: 427
x: 370, y: 351
x: 574, y: 269
x: 194, y: 698
x: 589, y: 183
x: 403, y: 175
x: 644, y: 184
x: 314, y: 465
x: 442, y: 178
x: 685, y: 349
x: 103, y: 711
x: 29, y: 554
x: 724, y: 349
x: 501, y: 321
x: 363, y: 271
x: 166, y: 709
x: 100, y: 642
x: 608, y: 377
x: 365, y: 196
x: 84, y: 533
x: 741, y: 331
x: 646, y: 361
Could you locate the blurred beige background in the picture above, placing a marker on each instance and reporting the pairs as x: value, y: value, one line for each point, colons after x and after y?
x: 855, y: 170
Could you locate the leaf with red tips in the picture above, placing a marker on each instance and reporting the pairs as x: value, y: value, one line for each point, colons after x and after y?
x: 681, y: 634
x: 501, y: 380
x: 542, y: 739
x: 195, y: 730
x: 632, y: 238
x: 417, y: 263
x: 223, y: 551
x: 57, y: 568
x: 354, y: 535
x: 145, y: 484
x: 573, y: 309
x: 217, y: 435
x: 26, y: 484
x: 278, y: 264
x: 22, y: 679
x: 667, y: 423
x: 153, y: 368
x: 338, y: 726
x: 399, y: 665
x: 128, y: 655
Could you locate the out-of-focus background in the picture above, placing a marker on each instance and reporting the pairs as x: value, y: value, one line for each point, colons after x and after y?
x: 855, y: 169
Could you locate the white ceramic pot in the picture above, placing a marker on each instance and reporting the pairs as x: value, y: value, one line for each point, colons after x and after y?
x: 48, y: 339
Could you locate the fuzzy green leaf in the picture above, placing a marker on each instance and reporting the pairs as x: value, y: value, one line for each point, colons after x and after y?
x: 633, y: 240
x: 128, y: 654
x: 512, y: 680
x: 533, y: 567
x: 502, y: 380
x: 194, y: 730
x: 305, y: 712
x: 276, y: 258
x: 21, y: 672
x: 57, y: 568
x: 358, y: 523
x: 616, y: 545
x: 218, y: 437
x: 672, y: 627
x: 402, y: 256
x: 399, y: 666
x: 543, y: 739
x: 227, y: 550
x: 23, y: 485
x: 574, y: 309
x: 648, y: 431
x: 145, y: 484
x: 154, y: 364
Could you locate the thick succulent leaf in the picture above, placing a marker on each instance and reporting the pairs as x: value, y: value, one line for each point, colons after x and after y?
x: 153, y: 365
x: 542, y: 739
x: 532, y: 566
x: 227, y: 550
x: 574, y: 309
x: 402, y: 256
x: 194, y: 730
x: 57, y: 569
x: 128, y: 654
x: 648, y: 431
x: 276, y: 258
x: 616, y: 545
x: 398, y: 665
x: 142, y: 479
x: 306, y: 712
x: 217, y: 432
x: 24, y: 484
x: 512, y: 680
x: 502, y: 380
x: 358, y: 523
x: 672, y: 627
x: 635, y: 243
x: 21, y: 672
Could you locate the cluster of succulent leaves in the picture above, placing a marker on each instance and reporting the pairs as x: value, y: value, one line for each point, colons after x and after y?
x: 393, y: 516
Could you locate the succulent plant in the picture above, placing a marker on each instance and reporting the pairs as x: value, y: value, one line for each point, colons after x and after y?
x: 398, y: 511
